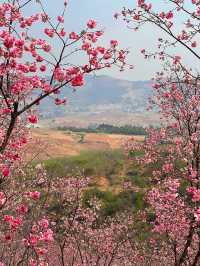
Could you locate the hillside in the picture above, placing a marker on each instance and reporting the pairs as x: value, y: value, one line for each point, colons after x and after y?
x: 102, y: 94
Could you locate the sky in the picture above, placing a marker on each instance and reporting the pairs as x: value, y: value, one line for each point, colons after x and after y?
x: 80, y: 11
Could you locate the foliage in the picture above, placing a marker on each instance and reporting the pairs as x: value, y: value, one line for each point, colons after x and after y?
x: 106, y: 163
x: 26, y: 58
x: 173, y: 149
x: 109, y: 129
x: 46, y: 221
x: 114, y: 203
x: 80, y: 226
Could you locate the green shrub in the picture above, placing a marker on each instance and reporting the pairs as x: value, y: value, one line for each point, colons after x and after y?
x: 113, y: 203
x: 91, y: 163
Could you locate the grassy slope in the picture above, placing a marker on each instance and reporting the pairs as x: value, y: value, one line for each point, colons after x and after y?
x: 109, y: 168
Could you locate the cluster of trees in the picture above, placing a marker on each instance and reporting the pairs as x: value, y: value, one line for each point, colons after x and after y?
x: 110, y: 129
x: 175, y: 199
x: 43, y: 221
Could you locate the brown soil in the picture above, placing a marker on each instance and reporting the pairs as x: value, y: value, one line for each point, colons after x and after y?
x: 48, y: 143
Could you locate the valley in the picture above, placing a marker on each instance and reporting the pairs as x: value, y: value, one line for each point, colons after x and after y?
x: 51, y: 143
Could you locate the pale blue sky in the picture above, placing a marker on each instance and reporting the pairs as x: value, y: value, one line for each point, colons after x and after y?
x: 79, y: 11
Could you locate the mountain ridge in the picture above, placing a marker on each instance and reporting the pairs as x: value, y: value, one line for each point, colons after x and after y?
x: 99, y: 94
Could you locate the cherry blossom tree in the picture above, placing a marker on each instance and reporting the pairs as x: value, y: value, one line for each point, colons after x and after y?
x: 173, y: 150
x: 27, y: 60
x: 33, y: 67
x: 82, y: 237
x: 168, y: 20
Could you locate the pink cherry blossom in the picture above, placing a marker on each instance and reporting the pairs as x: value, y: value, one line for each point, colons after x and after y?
x: 91, y: 24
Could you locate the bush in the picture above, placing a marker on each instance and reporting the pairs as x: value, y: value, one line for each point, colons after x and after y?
x: 113, y: 203
x: 90, y: 163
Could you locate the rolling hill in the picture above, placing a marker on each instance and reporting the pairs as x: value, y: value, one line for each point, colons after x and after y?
x: 101, y: 94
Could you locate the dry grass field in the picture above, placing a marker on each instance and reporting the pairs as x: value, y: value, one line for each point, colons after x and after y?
x: 95, y: 155
x: 50, y: 143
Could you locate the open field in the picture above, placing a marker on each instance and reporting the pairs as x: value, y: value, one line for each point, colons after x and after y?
x: 116, y: 118
x: 95, y: 155
x: 50, y: 143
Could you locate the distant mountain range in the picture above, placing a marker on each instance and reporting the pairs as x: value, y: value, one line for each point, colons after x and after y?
x: 101, y: 94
